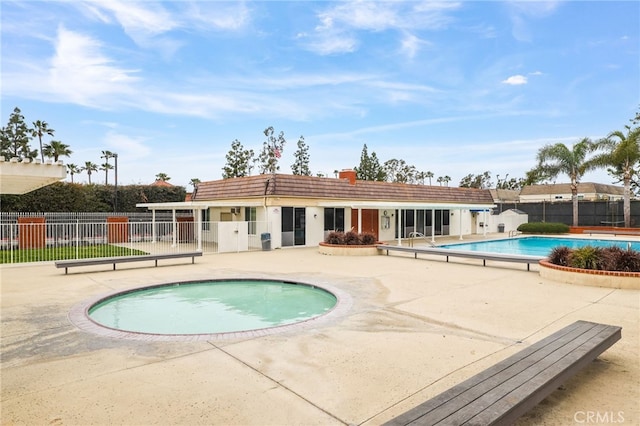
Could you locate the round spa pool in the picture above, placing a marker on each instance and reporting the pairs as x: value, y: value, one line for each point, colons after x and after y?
x: 210, y: 307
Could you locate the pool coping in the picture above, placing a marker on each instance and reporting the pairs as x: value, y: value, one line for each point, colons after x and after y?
x: 79, y: 315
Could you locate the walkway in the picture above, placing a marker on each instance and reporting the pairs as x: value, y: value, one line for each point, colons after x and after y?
x: 414, y: 329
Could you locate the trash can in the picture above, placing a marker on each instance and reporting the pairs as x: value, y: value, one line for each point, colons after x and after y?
x: 265, y: 238
x: 501, y: 227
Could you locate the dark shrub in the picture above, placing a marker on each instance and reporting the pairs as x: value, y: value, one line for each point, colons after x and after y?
x: 585, y: 257
x: 618, y: 259
x: 334, y: 237
x: 367, y: 238
x: 351, y: 238
x: 560, y: 256
x: 543, y: 228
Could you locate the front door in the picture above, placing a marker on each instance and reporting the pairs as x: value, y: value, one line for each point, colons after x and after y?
x: 369, y: 221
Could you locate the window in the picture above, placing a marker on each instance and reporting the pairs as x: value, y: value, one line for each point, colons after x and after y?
x: 250, y: 215
x: 206, y: 219
x: 333, y: 219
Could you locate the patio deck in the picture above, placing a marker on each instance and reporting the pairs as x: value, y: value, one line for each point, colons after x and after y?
x: 414, y: 329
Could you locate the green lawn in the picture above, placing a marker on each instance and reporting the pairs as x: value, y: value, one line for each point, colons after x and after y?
x: 59, y: 253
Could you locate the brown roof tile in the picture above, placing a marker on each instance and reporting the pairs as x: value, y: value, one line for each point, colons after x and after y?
x: 331, y: 188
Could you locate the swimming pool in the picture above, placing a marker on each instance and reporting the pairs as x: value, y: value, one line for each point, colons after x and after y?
x: 208, y: 307
x: 537, y: 246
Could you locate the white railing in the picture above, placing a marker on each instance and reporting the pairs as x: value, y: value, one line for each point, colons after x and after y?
x: 34, y: 242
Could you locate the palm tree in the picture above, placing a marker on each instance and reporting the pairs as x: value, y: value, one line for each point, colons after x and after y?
x: 56, y: 149
x: 446, y: 180
x: 90, y: 168
x: 194, y: 182
x: 559, y: 159
x: 41, y: 128
x: 73, y: 169
x: 163, y: 177
x: 429, y: 175
x: 440, y: 180
x: 106, y: 155
x: 623, y: 154
x: 106, y: 167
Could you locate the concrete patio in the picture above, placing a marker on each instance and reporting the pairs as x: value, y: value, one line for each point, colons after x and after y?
x: 413, y: 329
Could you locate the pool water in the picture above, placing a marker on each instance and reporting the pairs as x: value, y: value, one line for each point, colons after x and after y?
x: 212, y: 307
x: 537, y: 246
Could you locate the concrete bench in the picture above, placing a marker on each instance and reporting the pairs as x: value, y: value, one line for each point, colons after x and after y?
x: 611, y: 232
x: 66, y: 264
x: 499, y: 257
x: 510, y: 388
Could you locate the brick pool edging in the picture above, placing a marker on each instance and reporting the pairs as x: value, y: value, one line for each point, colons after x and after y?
x: 590, y: 277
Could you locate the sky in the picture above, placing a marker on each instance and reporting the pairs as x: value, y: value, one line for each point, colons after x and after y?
x: 452, y: 88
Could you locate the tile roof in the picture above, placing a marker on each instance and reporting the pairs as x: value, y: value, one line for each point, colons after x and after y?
x: 332, y: 188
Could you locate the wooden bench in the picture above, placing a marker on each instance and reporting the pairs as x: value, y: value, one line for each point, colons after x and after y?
x: 499, y: 257
x: 66, y: 264
x: 510, y: 388
x: 611, y: 232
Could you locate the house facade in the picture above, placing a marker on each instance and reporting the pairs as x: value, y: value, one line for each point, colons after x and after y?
x: 293, y: 210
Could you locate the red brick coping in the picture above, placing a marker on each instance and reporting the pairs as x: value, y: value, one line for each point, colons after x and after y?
x: 592, y: 277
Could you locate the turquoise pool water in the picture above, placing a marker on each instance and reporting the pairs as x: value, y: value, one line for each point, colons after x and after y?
x: 212, y: 307
x: 537, y: 246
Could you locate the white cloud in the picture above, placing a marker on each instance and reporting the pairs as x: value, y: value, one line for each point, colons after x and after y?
x: 80, y: 72
x: 515, y: 80
x: 127, y: 147
x: 338, y: 25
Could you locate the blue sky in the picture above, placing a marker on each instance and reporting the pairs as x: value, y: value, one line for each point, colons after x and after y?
x: 452, y: 88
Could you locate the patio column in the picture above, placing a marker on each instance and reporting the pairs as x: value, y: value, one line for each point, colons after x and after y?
x: 433, y: 225
x: 153, y: 227
x: 399, y: 227
x: 359, y: 220
x: 484, y: 228
x: 175, y: 230
x: 460, y: 222
x: 199, y: 213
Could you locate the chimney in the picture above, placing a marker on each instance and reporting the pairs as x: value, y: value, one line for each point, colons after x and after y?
x: 348, y: 174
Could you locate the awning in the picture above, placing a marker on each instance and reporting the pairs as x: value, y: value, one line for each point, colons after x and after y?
x: 22, y: 177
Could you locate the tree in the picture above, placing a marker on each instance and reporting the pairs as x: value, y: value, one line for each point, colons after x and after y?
x: 238, y: 161
x: 506, y: 183
x: 399, y: 171
x: 163, y: 177
x: 300, y: 165
x: 73, y: 170
x: 15, y: 138
x: 41, y: 128
x: 482, y: 181
x: 90, y: 167
x: 194, y: 182
x: 271, y: 151
x: 55, y: 150
x: 369, y: 168
x: 106, y: 166
x: 429, y: 175
x: 623, y: 156
x: 443, y: 179
x: 558, y: 159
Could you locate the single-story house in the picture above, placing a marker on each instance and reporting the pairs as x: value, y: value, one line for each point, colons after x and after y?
x: 292, y: 210
x: 587, y: 191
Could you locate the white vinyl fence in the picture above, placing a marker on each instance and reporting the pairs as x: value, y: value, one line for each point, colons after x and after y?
x: 35, y: 242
